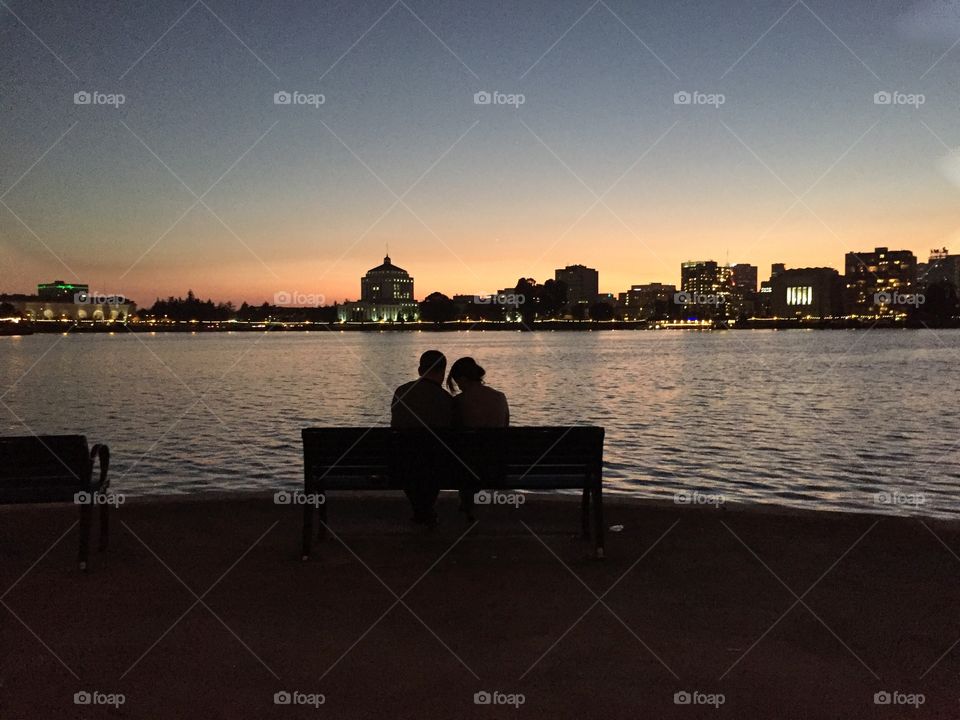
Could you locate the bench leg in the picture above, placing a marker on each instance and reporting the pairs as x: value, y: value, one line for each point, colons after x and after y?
x: 86, y: 510
x: 104, y: 525
x: 307, y: 530
x: 322, y: 528
x: 585, y: 514
x: 468, y: 503
x: 598, y: 520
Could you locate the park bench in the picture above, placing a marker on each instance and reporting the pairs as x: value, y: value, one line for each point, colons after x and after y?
x: 57, y: 468
x: 514, y: 458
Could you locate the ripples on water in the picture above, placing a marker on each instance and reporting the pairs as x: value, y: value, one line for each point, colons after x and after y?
x: 810, y: 419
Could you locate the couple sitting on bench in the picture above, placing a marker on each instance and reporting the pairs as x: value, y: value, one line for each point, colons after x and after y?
x: 424, y: 403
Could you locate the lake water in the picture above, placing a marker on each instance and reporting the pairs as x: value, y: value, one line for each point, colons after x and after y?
x: 838, y: 420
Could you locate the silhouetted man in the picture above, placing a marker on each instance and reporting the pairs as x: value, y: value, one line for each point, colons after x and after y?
x: 419, y: 404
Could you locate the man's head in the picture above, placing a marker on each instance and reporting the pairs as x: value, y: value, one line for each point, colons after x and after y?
x: 433, y: 365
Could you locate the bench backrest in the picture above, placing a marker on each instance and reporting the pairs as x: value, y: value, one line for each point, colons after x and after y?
x: 46, y: 468
x: 509, y: 458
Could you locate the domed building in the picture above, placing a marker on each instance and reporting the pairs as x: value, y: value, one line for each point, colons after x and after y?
x: 386, y: 295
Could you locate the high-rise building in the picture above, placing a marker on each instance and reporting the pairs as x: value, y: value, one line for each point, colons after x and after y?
x: 583, y: 284
x: 705, y: 289
x: 743, y: 293
x: 872, y: 275
x: 745, y: 277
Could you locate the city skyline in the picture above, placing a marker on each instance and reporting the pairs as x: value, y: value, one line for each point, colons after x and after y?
x: 247, y: 157
x: 278, y: 296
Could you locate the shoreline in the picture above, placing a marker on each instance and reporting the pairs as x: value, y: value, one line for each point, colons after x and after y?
x: 186, y: 327
x: 691, y: 600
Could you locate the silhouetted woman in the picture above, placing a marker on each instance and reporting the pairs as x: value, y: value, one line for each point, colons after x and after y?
x: 476, y: 405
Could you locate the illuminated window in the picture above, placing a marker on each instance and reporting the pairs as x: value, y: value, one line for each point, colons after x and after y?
x: 799, y: 295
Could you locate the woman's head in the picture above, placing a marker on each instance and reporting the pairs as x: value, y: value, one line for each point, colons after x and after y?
x: 464, y: 371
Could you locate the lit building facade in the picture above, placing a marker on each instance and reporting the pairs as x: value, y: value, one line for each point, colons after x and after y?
x: 386, y: 295
x: 705, y: 288
x: 868, y: 274
x: 71, y: 302
x: 807, y: 292
x: 653, y: 301
x: 941, y: 267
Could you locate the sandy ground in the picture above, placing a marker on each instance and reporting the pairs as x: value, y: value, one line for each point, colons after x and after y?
x: 201, y: 608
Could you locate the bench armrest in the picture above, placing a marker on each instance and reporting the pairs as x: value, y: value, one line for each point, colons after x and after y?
x: 102, y: 454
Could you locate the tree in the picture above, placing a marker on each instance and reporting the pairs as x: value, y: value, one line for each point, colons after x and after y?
x: 552, y: 298
x: 437, y: 308
x: 601, y: 311
x: 527, y: 287
x: 8, y: 310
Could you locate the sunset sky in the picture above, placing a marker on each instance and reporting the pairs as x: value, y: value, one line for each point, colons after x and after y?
x: 599, y: 165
